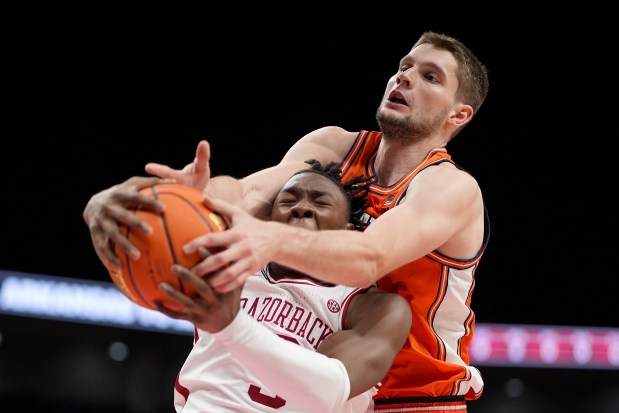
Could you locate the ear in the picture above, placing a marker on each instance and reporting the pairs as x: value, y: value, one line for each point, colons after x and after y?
x: 461, y: 115
x: 350, y: 226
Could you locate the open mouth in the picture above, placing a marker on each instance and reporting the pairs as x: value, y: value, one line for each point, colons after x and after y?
x: 396, y: 97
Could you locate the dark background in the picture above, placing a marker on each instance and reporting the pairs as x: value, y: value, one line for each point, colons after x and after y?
x: 91, y: 100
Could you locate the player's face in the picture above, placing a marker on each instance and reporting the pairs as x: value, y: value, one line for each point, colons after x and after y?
x: 421, y: 95
x: 311, y: 201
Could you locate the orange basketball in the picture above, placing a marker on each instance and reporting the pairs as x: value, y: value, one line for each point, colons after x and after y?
x: 185, y: 217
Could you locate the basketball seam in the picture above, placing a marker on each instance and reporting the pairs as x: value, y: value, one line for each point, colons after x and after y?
x: 136, y: 290
x: 204, y: 219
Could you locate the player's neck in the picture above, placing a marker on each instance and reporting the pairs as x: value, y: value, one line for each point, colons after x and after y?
x: 278, y: 271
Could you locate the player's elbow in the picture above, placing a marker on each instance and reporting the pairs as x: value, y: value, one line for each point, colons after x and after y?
x: 373, y: 268
x: 363, y: 276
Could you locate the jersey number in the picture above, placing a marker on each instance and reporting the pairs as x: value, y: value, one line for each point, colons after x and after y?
x: 272, y: 402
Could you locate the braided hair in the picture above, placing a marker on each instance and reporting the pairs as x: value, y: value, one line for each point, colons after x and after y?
x: 354, y: 189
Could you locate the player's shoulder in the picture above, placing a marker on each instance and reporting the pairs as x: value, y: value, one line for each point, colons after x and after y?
x: 330, y: 132
x: 449, y: 173
x: 444, y: 183
x: 331, y: 142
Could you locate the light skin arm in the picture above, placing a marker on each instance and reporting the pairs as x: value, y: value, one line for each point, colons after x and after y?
x: 443, y: 211
x: 254, y: 193
x: 377, y: 324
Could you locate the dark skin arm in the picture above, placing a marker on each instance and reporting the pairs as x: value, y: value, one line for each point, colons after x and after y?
x: 377, y: 325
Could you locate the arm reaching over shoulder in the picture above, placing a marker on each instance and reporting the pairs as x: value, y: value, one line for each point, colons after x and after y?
x: 443, y: 211
x: 249, y: 244
x: 255, y: 192
x: 109, y: 208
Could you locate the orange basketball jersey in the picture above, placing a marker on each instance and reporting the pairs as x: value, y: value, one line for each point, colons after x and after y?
x: 434, y: 362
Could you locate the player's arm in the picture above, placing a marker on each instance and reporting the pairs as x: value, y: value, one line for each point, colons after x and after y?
x: 254, y: 193
x: 311, y: 380
x: 258, y: 189
x: 438, y: 210
x: 377, y: 325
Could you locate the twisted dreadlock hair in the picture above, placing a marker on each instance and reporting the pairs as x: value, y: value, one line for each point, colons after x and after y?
x: 355, y: 189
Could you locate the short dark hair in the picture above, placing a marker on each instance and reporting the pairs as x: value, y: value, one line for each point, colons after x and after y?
x: 354, y: 189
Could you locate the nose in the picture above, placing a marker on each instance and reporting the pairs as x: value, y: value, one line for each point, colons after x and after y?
x: 403, y: 78
x: 302, y: 209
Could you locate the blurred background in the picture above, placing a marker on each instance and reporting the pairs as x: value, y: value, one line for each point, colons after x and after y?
x: 93, y: 97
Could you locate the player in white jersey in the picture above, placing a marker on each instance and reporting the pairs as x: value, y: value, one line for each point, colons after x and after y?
x: 298, y: 344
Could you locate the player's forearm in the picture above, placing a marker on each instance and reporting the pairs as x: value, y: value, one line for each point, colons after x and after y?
x: 305, y: 378
x: 337, y: 256
x: 225, y: 187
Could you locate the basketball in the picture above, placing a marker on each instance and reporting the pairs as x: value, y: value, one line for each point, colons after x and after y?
x: 185, y: 217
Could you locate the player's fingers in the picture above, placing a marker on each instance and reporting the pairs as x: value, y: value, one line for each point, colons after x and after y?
x: 204, y: 252
x: 232, y: 283
x: 218, y: 261
x: 161, y: 307
x: 211, y: 240
x: 121, y: 200
x: 177, y: 296
x: 231, y: 277
x: 111, y: 257
x: 105, y: 249
x: 123, y: 243
x: 114, y: 238
x: 203, y: 155
x: 219, y: 206
x: 118, y: 215
x: 137, y: 183
x: 198, y: 283
x: 161, y: 171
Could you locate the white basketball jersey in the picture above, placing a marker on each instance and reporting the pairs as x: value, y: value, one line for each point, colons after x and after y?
x: 300, y: 310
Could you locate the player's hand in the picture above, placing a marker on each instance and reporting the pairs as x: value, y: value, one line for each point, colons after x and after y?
x: 211, y: 311
x: 108, y: 209
x: 246, y: 246
x: 195, y: 174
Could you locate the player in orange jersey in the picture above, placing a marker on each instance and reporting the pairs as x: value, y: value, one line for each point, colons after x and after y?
x: 427, y: 226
